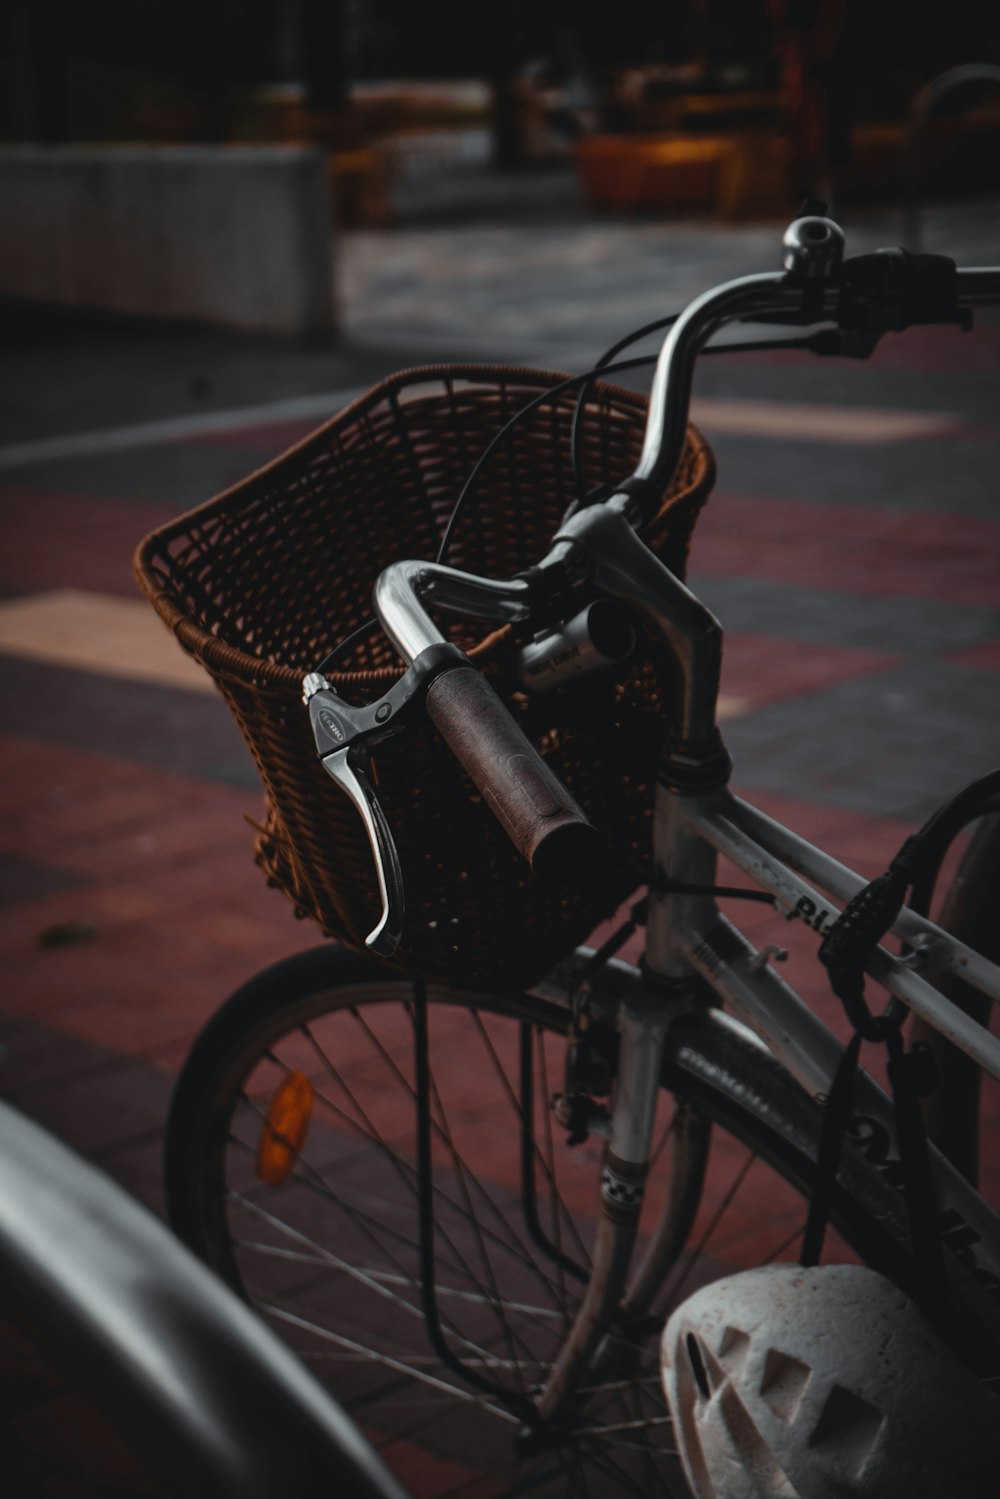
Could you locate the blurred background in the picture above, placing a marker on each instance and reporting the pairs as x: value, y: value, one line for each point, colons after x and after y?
x: 225, y: 218
x: 709, y: 104
x: 257, y: 164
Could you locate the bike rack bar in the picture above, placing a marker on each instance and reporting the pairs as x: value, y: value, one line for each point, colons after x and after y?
x: 197, y: 1385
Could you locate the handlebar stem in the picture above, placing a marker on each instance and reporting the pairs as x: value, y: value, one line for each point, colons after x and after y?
x: 623, y: 567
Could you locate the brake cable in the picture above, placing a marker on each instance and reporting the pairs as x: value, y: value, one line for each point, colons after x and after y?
x: 821, y: 342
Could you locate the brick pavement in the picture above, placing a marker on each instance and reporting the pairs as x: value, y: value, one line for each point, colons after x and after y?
x: 858, y: 583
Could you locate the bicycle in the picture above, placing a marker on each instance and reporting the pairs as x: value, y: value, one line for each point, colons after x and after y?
x: 425, y: 1248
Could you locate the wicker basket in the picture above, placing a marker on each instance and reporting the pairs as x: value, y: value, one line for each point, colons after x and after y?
x: 261, y: 582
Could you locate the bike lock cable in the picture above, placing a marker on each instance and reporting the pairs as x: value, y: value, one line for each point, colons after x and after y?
x: 870, y: 914
x: 845, y: 950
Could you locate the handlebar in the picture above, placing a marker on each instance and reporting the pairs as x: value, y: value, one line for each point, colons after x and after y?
x: 871, y: 294
x: 540, y: 817
x: 887, y: 291
x: 864, y: 298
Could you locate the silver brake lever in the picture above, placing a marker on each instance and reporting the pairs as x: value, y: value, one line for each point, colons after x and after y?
x: 346, y: 769
x: 344, y: 733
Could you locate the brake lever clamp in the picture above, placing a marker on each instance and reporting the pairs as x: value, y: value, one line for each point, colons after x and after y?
x: 345, y: 734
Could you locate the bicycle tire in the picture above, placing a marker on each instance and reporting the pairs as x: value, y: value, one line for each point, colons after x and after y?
x: 969, y: 912
x: 714, y: 1070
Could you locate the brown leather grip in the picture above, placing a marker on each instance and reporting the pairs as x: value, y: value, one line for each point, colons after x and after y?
x: 540, y: 817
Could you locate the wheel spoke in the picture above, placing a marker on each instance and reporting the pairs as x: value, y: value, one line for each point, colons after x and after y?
x: 375, y: 1355
x: 698, y: 1250
x: 503, y: 1228
x: 519, y: 1353
x: 458, y: 1166
x: 471, y: 1281
x: 546, y: 1162
x: 785, y: 1245
x: 502, y: 1235
x: 372, y: 1283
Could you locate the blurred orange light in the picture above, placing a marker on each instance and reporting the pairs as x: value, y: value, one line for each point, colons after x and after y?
x: 284, y: 1131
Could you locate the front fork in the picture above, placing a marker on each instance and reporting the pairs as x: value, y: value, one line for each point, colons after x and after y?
x: 695, y: 765
x: 643, y: 1028
x: 644, y: 1019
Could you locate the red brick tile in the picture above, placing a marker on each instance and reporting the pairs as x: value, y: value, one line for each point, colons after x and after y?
x: 65, y: 1448
x: 22, y: 924
x: 57, y: 539
x: 938, y: 349
x: 123, y: 1023
x: 765, y: 669
x: 276, y: 436
x: 64, y: 795
x: 145, y: 961
x: 171, y: 1056
x: 158, y: 851
x: 84, y: 793
x: 986, y: 656
x: 842, y: 547
x: 425, y: 1475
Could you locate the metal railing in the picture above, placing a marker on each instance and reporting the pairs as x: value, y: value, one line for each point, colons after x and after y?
x: 926, y: 104
x: 203, y: 1392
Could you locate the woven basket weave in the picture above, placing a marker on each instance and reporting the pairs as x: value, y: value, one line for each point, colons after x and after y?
x: 262, y: 581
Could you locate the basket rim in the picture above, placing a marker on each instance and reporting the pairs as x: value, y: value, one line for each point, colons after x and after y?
x: 240, y: 667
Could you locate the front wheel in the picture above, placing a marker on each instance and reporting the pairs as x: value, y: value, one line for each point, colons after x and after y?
x: 434, y: 1302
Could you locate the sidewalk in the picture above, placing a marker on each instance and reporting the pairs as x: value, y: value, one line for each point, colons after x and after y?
x: 852, y: 550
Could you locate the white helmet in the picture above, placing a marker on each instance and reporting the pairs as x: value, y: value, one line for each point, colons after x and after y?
x: 786, y: 1383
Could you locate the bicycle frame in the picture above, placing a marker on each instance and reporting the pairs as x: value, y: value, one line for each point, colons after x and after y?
x: 689, y: 941
x: 688, y: 938
x: 694, y: 934
x: 690, y: 944
x: 775, y: 858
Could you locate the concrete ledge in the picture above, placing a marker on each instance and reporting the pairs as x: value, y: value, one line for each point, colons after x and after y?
x: 238, y: 236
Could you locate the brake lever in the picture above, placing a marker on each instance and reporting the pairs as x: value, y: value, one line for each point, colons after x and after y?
x: 344, y: 734
x: 346, y: 769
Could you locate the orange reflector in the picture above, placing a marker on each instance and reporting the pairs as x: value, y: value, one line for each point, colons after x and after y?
x: 284, y: 1130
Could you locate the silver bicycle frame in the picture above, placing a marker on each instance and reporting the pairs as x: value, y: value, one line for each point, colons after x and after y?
x: 688, y: 938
